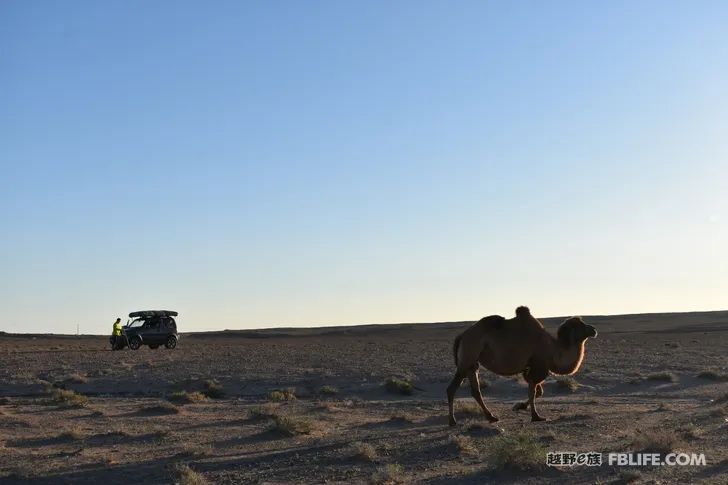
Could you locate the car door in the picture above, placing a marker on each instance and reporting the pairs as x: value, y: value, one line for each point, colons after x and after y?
x: 154, y: 334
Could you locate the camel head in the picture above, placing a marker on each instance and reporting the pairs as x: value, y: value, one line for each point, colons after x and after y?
x: 574, y: 331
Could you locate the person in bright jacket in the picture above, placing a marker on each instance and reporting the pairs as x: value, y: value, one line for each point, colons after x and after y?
x: 116, y: 333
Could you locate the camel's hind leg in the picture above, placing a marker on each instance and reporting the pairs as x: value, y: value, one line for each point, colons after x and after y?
x: 522, y: 406
x: 475, y: 389
x: 451, y: 389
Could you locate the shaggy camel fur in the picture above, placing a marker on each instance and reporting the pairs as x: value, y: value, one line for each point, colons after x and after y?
x: 520, y: 345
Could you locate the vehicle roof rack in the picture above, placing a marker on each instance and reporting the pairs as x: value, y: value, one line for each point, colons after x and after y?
x: 153, y: 313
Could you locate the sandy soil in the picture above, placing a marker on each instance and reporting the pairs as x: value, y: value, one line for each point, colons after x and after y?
x: 640, y: 384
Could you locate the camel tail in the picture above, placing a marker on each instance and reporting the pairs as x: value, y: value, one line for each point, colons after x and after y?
x: 455, y: 346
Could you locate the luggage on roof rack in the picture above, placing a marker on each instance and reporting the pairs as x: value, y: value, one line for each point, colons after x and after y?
x: 153, y: 313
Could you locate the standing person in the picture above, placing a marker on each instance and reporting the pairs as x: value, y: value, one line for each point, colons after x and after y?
x: 116, y: 334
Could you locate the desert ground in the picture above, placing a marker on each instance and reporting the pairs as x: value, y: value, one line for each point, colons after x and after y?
x: 313, y: 406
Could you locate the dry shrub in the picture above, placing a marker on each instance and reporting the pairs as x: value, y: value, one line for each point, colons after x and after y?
x: 213, y: 389
x: 68, y: 398
x: 328, y: 390
x: 77, y: 379
x: 660, y: 440
x: 291, y: 425
x: 566, y: 384
x: 160, y: 409
x: 399, y: 386
x: 400, y: 417
x: 184, y: 397
x: 282, y: 395
x: 73, y: 434
x: 662, y: 376
x: 192, y: 450
x: 388, y: 474
x: 465, y: 445
x: 713, y: 376
x: 184, y: 475
x: 363, y: 451
x: 265, y: 411
x: 469, y: 408
x: 520, y: 450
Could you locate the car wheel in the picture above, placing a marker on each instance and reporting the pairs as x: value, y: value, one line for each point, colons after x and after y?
x: 135, y: 343
x: 171, y: 342
x: 154, y: 346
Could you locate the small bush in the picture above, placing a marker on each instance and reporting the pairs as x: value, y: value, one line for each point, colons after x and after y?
x: 566, y: 384
x: 465, y: 445
x: 328, y: 390
x: 184, y: 397
x: 662, y: 376
x: 73, y: 434
x: 522, y: 451
x: 399, y: 386
x: 68, y: 398
x: 195, y: 451
x: 363, y: 451
x: 469, y: 408
x: 266, y: 411
x: 77, y: 379
x: 184, y: 475
x: 389, y: 474
x: 291, y: 425
x: 213, y: 389
x: 713, y: 376
x: 656, y: 441
x: 400, y: 417
x: 282, y: 395
x: 160, y: 409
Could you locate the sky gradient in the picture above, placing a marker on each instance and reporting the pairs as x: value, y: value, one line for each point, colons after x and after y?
x: 257, y: 164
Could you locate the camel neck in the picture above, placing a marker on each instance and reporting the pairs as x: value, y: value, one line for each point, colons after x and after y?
x: 567, y: 358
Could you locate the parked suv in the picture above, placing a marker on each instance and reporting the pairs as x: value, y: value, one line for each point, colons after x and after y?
x: 152, y: 328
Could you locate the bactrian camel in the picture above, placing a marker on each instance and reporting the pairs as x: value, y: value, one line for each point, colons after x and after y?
x: 519, y: 345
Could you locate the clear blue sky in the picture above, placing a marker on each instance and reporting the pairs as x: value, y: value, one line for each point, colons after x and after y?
x: 255, y: 164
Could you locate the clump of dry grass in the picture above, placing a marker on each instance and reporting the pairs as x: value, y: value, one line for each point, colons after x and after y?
x: 73, y: 434
x: 191, y: 450
x: 184, y: 475
x: 265, y: 411
x: 400, y: 417
x: 399, y: 386
x: 68, y: 398
x: 160, y: 409
x: 77, y: 379
x: 291, y: 425
x: 520, y: 450
x: 713, y: 376
x: 363, y: 451
x: 213, y: 389
x: 328, y: 390
x: 465, y: 445
x: 282, y: 395
x: 567, y: 384
x: 660, y: 440
x: 662, y: 376
x: 184, y: 397
x: 469, y: 408
x: 388, y: 474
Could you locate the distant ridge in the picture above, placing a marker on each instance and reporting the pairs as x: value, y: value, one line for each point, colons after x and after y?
x: 704, y: 321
